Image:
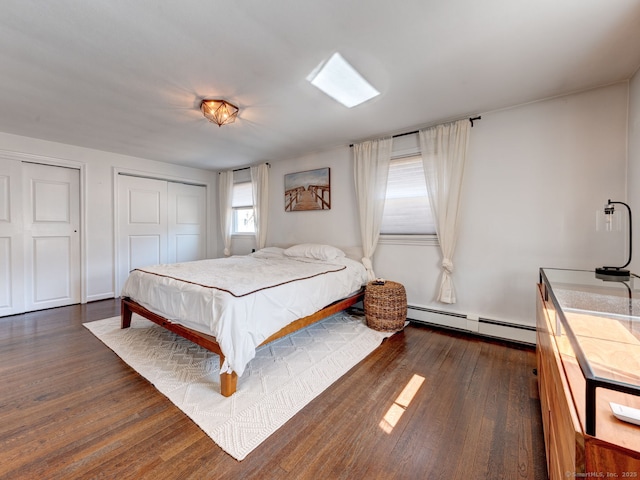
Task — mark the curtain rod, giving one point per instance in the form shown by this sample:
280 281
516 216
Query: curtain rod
471 119
246 168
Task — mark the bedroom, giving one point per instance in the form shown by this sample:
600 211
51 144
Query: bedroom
539 168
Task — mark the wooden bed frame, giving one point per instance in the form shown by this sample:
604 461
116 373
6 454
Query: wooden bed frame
229 381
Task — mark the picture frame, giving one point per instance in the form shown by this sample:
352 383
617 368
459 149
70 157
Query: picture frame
307 190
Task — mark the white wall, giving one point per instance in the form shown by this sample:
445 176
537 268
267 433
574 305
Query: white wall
337 226
98 187
633 177
536 176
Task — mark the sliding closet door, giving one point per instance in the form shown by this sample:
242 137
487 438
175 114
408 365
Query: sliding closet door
187 222
159 222
142 224
11 239
51 204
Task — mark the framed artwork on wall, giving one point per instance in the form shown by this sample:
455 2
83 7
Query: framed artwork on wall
308 190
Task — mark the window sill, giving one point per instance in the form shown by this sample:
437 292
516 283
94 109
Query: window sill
425 240
243 234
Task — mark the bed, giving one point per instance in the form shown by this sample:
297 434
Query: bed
233 305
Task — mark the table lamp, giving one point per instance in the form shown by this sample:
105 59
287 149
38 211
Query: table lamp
616 273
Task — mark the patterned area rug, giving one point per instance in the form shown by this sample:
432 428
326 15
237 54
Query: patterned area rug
285 375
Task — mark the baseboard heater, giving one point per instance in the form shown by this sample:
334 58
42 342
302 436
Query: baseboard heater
487 327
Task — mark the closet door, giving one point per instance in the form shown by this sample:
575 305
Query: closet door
187 222
51 204
159 222
11 239
142 224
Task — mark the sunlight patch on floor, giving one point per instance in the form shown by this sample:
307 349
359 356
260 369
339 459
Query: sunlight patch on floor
401 403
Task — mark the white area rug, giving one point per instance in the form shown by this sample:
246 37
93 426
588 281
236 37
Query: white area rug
285 375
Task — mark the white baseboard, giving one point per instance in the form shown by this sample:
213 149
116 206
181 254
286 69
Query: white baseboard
100 296
511 332
435 317
473 324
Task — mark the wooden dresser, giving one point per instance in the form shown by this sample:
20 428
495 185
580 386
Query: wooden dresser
588 354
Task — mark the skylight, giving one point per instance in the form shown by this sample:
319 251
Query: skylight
338 79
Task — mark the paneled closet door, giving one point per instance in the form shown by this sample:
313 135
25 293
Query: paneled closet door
51 204
187 222
142 224
11 238
159 221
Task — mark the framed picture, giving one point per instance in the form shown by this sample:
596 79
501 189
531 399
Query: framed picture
309 190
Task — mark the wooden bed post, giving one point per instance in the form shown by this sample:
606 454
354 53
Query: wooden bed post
228 381
125 316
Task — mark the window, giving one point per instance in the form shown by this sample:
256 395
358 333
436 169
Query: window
406 208
242 205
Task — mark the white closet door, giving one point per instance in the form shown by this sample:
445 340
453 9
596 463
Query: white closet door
11 239
51 200
142 224
187 222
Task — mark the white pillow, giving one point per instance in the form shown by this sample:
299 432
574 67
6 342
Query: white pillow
314 250
276 250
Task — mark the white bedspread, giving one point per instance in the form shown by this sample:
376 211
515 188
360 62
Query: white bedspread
243 300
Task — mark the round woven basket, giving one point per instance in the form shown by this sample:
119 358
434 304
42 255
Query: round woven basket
385 306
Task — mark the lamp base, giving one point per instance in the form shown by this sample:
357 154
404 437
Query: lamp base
612 274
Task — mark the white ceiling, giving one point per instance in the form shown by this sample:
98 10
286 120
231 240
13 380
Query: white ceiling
128 76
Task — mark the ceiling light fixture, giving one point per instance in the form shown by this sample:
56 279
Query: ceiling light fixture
338 79
219 112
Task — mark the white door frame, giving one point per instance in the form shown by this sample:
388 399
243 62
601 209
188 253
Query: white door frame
62 162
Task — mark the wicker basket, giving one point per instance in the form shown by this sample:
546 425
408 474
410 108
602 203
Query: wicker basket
385 306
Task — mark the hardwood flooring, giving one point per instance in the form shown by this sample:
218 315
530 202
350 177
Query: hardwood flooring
71 409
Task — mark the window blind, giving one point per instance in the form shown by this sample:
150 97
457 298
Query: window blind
242 195
406 208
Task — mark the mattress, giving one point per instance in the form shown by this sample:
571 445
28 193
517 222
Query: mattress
243 300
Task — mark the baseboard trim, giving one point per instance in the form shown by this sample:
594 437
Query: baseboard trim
100 296
486 337
439 312
490 328
507 324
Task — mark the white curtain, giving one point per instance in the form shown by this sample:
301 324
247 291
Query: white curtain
444 151
225 195
260 186
371 169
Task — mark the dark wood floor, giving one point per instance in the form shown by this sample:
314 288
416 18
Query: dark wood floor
70 409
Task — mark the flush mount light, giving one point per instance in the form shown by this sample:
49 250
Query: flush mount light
219 112
338 79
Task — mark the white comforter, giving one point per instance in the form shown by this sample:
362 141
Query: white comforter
243 300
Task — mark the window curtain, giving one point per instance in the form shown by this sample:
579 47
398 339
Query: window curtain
260 186
225 195
371 169
444 151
